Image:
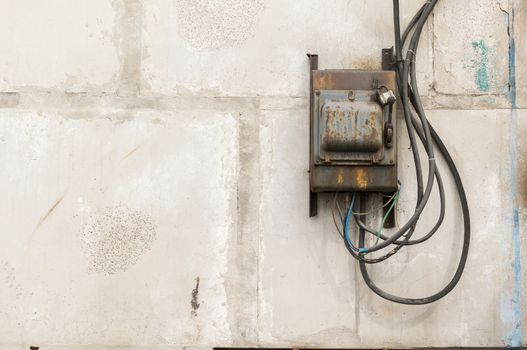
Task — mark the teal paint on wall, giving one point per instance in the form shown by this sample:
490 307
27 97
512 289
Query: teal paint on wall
482 72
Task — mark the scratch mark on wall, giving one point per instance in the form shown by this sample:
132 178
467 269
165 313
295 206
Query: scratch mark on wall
130 153
49 212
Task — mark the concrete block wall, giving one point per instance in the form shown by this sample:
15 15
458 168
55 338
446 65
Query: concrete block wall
154 191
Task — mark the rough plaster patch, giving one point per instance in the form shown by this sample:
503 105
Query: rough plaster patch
115 239
210 24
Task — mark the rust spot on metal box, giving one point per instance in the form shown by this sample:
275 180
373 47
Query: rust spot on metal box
340 179
352 127
362 179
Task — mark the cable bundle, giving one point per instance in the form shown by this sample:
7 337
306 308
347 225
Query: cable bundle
406 46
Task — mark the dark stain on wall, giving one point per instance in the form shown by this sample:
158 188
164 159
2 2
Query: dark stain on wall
194 300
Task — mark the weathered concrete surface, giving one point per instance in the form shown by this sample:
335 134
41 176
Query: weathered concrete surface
154 192
286 276
108 227
58 44
473 58
191 46
310 294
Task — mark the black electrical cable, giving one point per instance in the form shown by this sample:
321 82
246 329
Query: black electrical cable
408 91
423 138
422 198
412 23
407 240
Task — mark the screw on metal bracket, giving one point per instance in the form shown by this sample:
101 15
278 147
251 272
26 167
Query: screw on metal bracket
388 59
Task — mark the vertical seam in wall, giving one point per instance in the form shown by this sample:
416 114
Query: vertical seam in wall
242 274
514 337
130 46
259 226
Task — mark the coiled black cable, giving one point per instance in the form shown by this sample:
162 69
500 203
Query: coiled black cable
409 94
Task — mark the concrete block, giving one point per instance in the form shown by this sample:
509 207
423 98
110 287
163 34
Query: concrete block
59 44
116 227
307 291
471 47
247 48
312 294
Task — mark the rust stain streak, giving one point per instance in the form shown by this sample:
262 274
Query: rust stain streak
340 178
362 179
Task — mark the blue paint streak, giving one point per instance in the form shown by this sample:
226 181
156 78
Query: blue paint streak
516 332
512 71
511 311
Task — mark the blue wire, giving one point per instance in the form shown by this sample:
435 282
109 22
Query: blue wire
348 242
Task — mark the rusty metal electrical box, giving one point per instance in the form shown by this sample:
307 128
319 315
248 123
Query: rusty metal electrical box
352 127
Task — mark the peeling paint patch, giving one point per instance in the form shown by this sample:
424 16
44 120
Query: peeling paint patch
482 72
115 239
